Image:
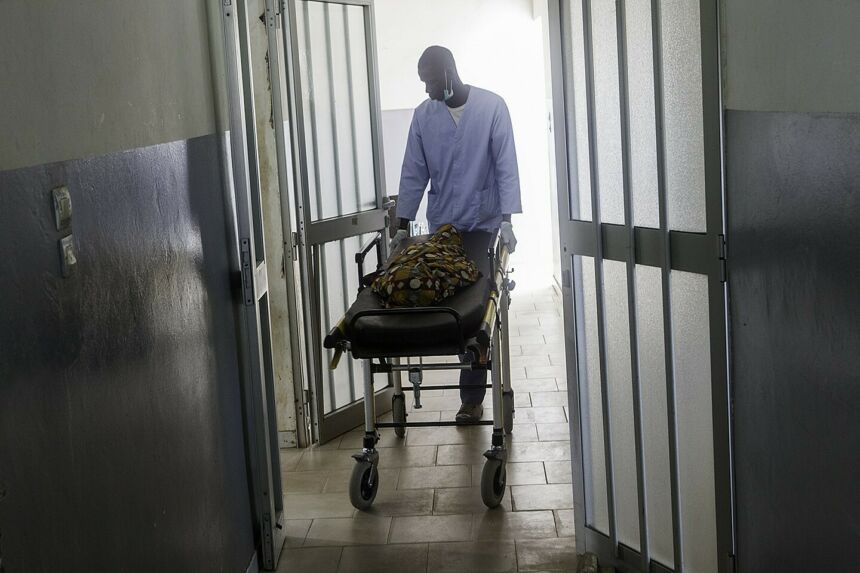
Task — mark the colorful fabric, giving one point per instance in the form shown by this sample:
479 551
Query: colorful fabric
428 272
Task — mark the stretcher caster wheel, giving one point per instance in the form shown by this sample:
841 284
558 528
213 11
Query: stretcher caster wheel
493 479
363 485
398 413
508 411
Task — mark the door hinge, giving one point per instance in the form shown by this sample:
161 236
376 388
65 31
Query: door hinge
723 257
247 272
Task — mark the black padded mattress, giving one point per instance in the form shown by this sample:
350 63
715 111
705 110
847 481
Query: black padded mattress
417 332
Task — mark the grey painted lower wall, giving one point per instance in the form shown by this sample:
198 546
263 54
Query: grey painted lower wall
793 192
121 445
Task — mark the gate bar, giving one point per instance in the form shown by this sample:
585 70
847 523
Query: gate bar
626 152
668 346
598 269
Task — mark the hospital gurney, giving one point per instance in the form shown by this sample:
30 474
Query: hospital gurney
472 325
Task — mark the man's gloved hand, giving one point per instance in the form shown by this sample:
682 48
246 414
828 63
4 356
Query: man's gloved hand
398 238
506 230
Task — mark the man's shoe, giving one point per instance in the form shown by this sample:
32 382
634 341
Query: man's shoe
470 413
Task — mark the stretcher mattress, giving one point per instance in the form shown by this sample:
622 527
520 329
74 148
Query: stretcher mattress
418 333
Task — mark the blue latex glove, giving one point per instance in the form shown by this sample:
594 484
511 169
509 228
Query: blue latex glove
396 240
506 230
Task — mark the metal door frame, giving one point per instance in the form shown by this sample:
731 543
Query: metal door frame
702 253
255 348
312 235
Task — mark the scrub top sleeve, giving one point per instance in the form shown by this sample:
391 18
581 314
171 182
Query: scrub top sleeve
505 158
414 174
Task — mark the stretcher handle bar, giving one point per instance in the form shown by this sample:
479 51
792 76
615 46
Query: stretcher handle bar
488 325
414 310
425 387
336 335
375 241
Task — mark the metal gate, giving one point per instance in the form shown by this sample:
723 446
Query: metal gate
637 106
340 197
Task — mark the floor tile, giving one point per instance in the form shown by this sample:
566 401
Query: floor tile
462 500
387 439
416 416
296 530
535 385
519 433
471 557
434 403
536 359
304 482
402 502
467 454
522 400
438 436
316 559
410 456
314 505
538 451
546 554
551 496
362 530
541 415
558 472
290 458
431 528
317 460
551 349
382 558
513 525
549 398
528 325
433 477
559 431
338 480
546 372
564 522
517 473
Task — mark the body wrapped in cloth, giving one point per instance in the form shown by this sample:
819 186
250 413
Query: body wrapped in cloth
428 272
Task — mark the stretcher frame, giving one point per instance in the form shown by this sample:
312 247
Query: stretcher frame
488 349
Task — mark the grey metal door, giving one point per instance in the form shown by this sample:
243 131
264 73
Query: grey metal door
638 148
341 185
249 255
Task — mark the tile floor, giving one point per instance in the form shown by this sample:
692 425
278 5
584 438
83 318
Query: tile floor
428 515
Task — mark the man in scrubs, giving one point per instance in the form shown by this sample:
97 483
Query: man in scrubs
461 141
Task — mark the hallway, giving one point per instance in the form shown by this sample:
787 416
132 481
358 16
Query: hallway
428 515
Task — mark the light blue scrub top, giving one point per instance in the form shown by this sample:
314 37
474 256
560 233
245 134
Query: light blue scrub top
472 166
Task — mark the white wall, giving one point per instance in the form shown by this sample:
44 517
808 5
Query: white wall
498 45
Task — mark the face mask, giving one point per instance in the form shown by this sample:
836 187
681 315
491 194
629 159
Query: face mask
447 93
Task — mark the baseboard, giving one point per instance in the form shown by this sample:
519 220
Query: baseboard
288 439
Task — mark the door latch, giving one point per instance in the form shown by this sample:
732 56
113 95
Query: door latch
247 272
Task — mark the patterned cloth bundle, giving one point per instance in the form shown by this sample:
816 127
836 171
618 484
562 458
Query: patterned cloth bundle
428 272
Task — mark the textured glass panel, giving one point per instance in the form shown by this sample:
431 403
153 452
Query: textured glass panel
620 384
643 138
333 58
655 429
591 413
607 112
580 200
365 177
335 302
682 96
347 196
695 421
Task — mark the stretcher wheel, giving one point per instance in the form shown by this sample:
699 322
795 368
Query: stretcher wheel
363 485
398 413
508 411
493 479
